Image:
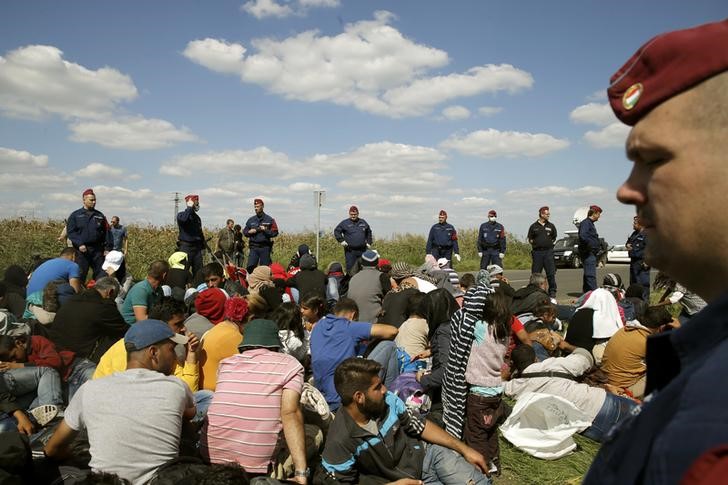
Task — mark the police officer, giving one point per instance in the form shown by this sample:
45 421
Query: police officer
355 235
542 235
639 271
443 239
260 231
491 241
89 232
191 238
589 248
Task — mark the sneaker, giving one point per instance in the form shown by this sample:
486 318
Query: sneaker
44 414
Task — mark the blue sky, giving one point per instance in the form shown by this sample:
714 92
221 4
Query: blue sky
402 108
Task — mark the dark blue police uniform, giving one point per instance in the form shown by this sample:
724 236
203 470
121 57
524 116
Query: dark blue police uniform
357 235
639 272
260 242
89 228
542 238
685 413
491 242
442 241
191 237
589 247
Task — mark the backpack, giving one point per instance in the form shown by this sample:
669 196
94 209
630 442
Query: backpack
11 327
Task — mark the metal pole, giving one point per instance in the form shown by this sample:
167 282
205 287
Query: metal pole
318 223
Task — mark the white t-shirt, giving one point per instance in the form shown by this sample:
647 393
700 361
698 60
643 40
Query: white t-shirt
134 421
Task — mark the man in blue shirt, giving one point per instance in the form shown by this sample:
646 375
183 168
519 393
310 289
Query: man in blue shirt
589 247
64 267
354 235
89 232
119 235
491 241
674 93
337 337
443 239
191 238
260 231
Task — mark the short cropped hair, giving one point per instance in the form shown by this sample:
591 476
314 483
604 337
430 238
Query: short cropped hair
166 308
537 279
69 252
107 283
157 269
213 269
354 375
345 305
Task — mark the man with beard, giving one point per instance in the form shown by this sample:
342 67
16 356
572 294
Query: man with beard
133 418
375 438
674 94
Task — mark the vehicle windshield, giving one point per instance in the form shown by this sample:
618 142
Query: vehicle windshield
565 243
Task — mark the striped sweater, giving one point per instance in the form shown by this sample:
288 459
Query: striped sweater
454 385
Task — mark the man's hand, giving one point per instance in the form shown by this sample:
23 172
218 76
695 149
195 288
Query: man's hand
25 425
252 230
419 374
457 256
501 256
301 480
480 254
82 248
106 253
344 243
11 365
193 343
422 355
475 459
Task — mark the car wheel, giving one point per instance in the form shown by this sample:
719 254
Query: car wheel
576 262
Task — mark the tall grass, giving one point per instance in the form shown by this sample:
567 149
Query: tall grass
22 240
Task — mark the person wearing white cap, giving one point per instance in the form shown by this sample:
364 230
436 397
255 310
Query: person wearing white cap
133 418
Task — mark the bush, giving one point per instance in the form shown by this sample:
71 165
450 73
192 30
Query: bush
25 239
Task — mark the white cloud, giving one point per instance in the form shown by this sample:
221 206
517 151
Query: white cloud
386 183
303 187
473 202
43 180
98 170
131 133
599 114
555 191
319 3
613 135
511 144
456 112
489 110
266 8
63 197
229 162
36 82
11 159
370 66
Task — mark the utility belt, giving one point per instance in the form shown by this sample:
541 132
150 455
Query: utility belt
355 248
442 247
542 249
492 246
257 245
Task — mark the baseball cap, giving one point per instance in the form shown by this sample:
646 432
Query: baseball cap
149 332
113 260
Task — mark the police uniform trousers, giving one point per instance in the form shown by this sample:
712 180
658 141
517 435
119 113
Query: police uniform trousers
93 258
258 256
194 255
543 259
490 256
589 280
442 252
351 255
638 274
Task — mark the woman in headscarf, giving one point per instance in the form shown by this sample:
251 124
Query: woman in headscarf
15 281
260 281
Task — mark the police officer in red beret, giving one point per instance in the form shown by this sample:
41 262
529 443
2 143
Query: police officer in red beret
674 94
442 241
260 230
88 230
191 238
491 241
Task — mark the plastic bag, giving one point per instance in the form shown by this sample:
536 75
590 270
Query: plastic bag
542 425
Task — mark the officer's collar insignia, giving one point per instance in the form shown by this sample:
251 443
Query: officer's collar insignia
632 95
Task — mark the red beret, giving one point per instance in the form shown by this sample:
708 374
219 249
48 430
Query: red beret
353 208
542 209
192 196
595 208
88 192
258 201
665 66
443 213
492 213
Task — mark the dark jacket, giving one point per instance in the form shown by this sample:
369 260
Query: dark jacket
190 228
432 382
527 298
492 235
88 324
542 236
395 453
357 234
309 280
265 230
89 228
442 236
588 238
394 306
639 243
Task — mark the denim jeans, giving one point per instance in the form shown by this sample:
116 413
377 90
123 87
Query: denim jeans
202 399
82 371
386 354
445 466
615 409
34 386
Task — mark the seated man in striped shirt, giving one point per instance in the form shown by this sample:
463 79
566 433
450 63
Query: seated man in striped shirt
256 397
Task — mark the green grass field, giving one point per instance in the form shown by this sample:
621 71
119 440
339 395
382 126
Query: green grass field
24 239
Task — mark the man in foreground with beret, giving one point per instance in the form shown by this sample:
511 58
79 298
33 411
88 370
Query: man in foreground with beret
191 238
674 92
89 231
